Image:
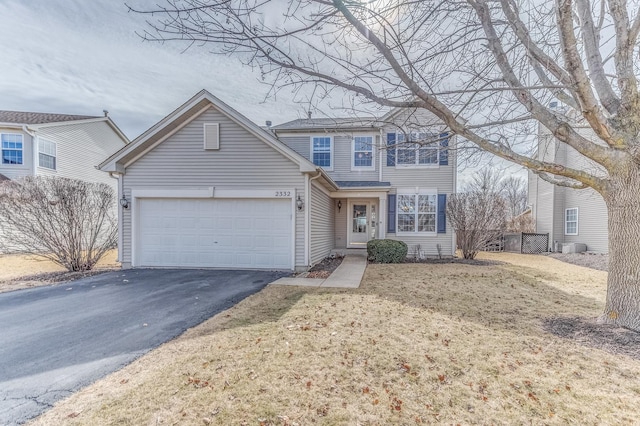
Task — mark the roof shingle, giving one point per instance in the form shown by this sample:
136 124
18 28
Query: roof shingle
20 117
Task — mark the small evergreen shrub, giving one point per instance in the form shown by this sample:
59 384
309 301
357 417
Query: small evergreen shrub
387 251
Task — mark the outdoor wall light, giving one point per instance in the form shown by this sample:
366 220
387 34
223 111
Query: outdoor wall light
339 205
299 204
124 202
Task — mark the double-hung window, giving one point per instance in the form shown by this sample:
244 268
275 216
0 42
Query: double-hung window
420 150
362 152
571 221
46 154
417 213
321 149
12 148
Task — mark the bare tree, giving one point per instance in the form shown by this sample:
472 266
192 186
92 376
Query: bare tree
487 69
478 214
514 191
67 221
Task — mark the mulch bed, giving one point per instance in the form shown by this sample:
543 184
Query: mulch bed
325 268
589 332
448 260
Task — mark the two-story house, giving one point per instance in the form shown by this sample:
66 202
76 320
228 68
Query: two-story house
43 144
571 217
206 187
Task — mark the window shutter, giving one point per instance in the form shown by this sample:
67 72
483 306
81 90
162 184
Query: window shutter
442 213
444 149
391 213
391 150
211 136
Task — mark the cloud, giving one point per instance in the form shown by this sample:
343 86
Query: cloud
70 56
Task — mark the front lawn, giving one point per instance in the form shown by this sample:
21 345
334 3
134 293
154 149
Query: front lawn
415 344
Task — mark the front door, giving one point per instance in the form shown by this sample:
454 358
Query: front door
362 223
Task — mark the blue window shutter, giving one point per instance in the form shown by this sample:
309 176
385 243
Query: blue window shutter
442 213
391 213
391 150
444 149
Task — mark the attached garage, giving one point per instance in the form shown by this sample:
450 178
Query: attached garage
214 233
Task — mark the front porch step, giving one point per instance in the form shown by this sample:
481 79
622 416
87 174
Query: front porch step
349 251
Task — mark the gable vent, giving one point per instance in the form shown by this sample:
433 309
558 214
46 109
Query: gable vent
211 136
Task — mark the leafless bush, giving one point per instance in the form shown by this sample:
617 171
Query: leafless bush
70 222
478 215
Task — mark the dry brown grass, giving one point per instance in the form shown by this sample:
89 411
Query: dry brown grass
416 344
23 271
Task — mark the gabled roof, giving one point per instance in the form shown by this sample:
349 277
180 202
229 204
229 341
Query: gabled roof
184 114
23 117
327 123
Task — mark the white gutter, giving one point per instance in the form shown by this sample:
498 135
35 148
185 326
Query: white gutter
120 212
34 152
307 217
380 151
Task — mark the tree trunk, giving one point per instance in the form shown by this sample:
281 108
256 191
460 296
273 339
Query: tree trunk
623 289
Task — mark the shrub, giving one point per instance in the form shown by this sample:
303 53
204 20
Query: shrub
70 222
387 251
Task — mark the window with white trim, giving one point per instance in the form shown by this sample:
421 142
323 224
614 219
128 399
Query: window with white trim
321 151
571 221
416 213
12 148
421 150
46 154
362 152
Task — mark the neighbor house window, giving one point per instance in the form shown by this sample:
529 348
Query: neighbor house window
571 221
420 150
417 213
321 151
11 148
363 152
46 154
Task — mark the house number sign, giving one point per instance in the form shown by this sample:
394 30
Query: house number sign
283 193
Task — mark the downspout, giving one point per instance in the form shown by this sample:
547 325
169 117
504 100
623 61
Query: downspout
34 151
380 156
120 212
307 218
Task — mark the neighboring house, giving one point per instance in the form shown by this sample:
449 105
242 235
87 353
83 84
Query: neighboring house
206 187
567 215
71 146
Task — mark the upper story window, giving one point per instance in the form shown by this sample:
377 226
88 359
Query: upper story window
571 221
322 151
362 152
417 213
420 150
46 154
12 148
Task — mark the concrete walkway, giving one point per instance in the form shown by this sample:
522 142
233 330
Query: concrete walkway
347 275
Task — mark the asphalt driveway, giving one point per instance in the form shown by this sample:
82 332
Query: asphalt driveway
56 340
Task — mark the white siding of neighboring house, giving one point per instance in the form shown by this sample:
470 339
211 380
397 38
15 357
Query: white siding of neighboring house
321 224
550 201
242 162
16 171
80 147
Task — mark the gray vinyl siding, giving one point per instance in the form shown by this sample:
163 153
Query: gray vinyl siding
342 153
550 202
16 171
341 224
80 148
321 224
242 162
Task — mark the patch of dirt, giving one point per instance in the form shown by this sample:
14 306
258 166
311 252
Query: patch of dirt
589 260
590 332
325 267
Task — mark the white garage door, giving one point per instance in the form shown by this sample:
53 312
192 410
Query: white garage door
222 233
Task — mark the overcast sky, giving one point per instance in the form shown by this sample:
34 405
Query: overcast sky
81 56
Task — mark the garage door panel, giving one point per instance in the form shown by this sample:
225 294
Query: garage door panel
215 233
